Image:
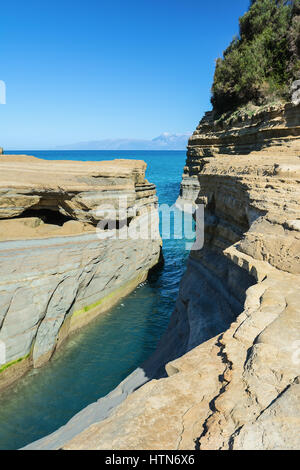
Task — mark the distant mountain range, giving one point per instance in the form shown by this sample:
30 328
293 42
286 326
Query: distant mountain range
165 141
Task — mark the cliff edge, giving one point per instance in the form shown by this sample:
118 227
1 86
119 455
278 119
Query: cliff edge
59 268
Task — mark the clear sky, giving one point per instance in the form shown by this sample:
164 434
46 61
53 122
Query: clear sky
79 70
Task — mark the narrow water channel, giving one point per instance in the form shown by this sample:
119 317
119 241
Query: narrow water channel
99 357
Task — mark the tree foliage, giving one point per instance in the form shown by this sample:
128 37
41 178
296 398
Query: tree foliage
263 60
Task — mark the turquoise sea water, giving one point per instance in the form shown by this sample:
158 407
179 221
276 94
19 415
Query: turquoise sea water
101 355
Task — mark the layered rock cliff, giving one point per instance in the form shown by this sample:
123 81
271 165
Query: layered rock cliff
232 349
59 268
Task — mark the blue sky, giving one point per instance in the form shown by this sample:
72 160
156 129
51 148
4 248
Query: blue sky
90 70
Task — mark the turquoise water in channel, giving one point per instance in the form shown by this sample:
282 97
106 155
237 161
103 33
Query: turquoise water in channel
100 356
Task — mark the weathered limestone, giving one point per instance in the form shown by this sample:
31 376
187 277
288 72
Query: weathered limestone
74 190
57 277
252 218
273 131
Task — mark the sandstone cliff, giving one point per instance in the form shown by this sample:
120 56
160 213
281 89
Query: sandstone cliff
231 351
56 274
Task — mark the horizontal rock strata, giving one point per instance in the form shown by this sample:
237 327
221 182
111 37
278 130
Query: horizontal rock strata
73 189
57 270
271 132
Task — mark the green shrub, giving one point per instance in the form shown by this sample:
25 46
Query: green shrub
259 64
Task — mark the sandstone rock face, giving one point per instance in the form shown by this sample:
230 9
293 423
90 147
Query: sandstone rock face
231 353
56 278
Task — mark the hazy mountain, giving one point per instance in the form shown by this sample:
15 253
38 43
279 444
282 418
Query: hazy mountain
164 141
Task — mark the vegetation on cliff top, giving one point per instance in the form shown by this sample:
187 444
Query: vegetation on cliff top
260 64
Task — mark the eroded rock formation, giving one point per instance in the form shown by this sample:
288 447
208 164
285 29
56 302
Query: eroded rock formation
56 273
232 349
